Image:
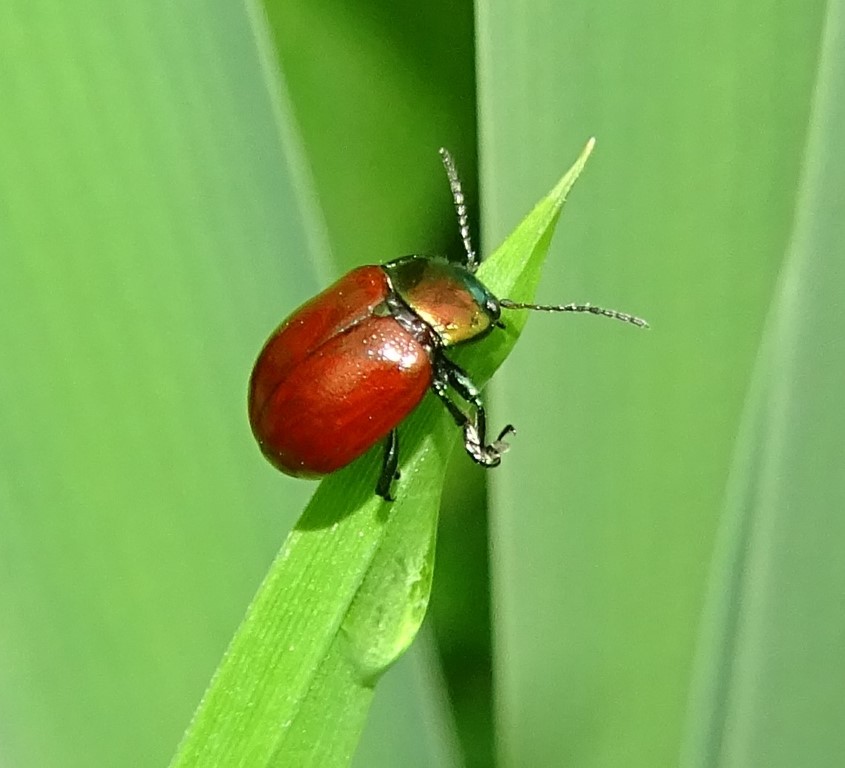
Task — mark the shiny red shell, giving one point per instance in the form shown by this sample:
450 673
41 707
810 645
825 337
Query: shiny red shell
335 378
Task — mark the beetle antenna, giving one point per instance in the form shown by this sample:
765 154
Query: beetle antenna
460 206
611 313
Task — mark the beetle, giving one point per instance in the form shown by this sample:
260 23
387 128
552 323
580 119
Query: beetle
342 372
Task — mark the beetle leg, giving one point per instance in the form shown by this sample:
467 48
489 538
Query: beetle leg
440 384
475 427
389 466
475 430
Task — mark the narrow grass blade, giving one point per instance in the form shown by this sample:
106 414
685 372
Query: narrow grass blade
770 666
346 595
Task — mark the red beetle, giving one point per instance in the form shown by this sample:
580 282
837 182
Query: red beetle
347 367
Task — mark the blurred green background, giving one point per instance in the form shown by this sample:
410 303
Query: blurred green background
654 577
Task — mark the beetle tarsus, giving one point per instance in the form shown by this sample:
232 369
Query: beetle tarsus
486 455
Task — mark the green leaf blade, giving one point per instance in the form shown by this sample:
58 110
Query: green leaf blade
348 592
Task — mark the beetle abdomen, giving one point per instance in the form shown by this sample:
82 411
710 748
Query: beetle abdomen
346 395
347 302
